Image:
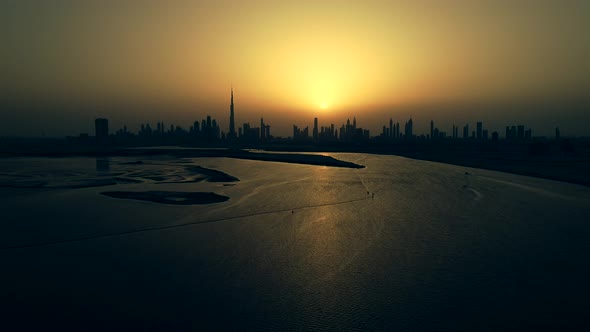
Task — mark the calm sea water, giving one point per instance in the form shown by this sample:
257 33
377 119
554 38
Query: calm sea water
399 245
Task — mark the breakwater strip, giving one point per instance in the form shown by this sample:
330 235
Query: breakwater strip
294 158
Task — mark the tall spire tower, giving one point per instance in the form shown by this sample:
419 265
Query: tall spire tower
232 127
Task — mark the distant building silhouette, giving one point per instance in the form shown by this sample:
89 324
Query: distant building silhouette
495 136
431 129
300 135
266 129
557 134
520 132
391 132
479 130
409 129
262 130
232 128
250 134
101 127
315 129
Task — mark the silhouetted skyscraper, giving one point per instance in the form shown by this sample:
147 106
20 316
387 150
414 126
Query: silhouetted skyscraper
214 130
196 128
408 130
391 133
479 130
557 133
232 128
431 129
513 131
101 127
315 129
266 132
520 132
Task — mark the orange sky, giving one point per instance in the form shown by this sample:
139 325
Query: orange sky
297 59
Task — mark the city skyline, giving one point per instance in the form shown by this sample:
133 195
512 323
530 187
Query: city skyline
210 130
374 128
494 61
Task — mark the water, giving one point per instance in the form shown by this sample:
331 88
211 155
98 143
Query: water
295 247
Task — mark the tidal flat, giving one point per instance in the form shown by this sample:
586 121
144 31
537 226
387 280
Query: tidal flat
400 244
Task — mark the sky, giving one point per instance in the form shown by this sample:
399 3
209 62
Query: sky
66 62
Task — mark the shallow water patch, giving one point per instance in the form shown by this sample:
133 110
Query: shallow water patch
169 197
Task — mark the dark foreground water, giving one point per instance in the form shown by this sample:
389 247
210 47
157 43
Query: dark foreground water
295 247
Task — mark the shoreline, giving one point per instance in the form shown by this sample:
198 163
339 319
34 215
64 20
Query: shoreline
516 160
567 169
299 158
515 169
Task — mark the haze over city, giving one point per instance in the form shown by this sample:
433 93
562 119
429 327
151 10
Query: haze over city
456 62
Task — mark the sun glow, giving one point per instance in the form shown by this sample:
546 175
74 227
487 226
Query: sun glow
373 59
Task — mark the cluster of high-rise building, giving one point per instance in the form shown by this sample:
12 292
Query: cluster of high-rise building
513 133
394 133
518 133
250 134
348 132
324 133
246 133
351 133
208 130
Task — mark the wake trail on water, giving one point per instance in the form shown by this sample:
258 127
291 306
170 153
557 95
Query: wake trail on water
478 195
159 228
362 182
